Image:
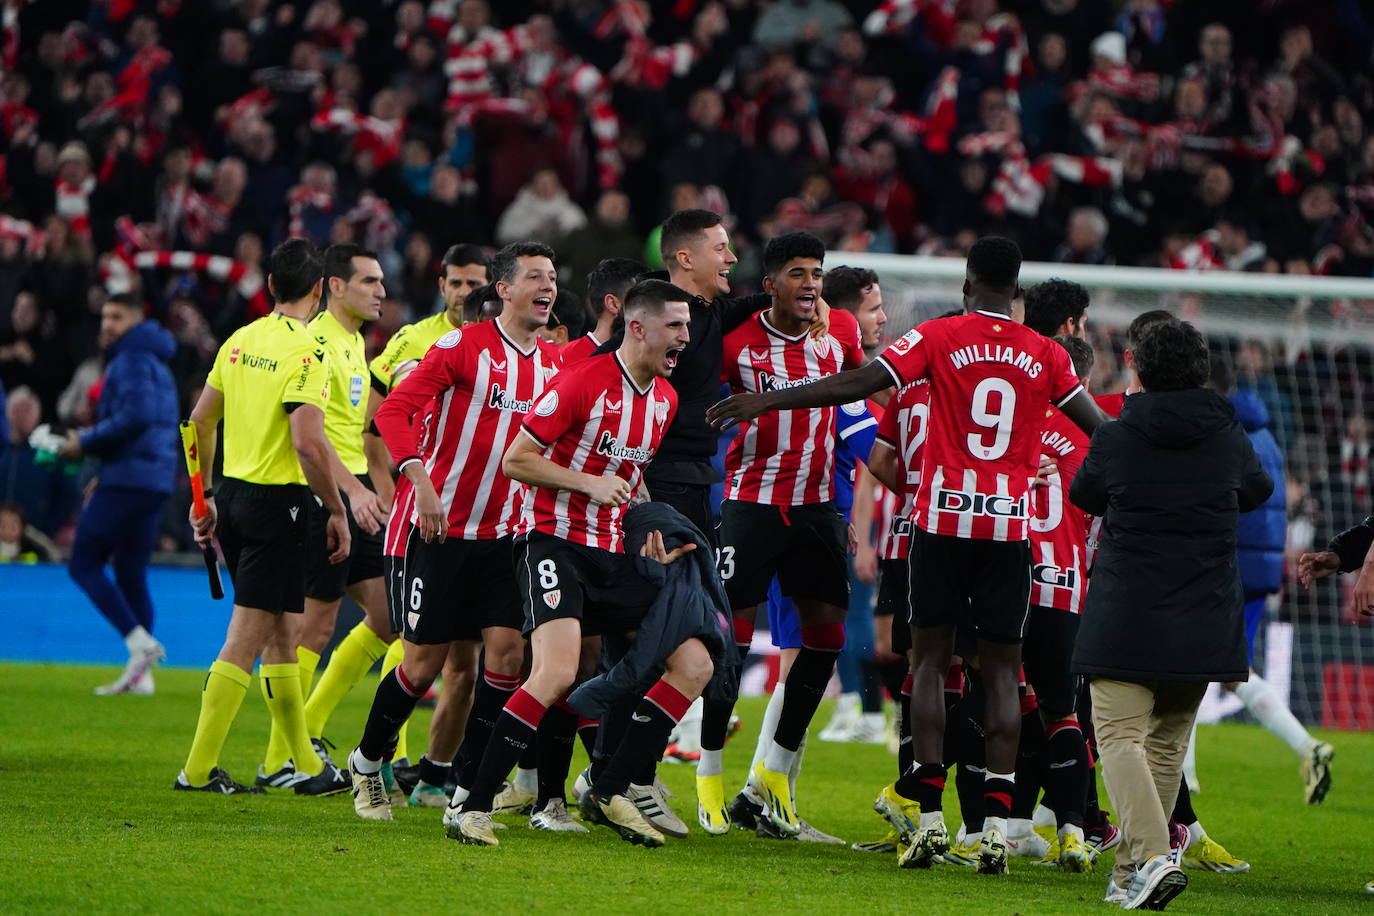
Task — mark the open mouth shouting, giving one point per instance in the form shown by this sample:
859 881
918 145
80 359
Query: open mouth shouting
542 306
671 357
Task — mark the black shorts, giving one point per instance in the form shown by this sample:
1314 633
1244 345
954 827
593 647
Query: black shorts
262 532
982 584
453 590
1047 655
325 581
558 578
806 547
894 602
691 499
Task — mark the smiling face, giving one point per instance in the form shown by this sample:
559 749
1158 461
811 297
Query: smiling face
710 259
795 289
455 285
871 317
361 295
664 333
529 296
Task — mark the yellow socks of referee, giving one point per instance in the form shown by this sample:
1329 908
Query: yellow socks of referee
281 688
225 687
353 657
392 659
278 748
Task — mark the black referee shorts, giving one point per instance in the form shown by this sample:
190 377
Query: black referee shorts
325 581
982 584
262 532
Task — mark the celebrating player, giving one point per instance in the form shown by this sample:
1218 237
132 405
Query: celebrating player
458 581
990 379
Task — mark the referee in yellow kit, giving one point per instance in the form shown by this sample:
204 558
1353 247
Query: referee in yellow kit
269 384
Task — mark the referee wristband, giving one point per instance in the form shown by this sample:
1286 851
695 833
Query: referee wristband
208 492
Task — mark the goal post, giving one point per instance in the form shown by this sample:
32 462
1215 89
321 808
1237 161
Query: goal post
1305 346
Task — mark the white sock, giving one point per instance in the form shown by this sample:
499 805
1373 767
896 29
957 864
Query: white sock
795 770
687 734
931 817
1190 757
1070 830
1043 817
527 779
1196 833
138 639
460 795
1017 826
778 758
1263 702
771 713
710 763
358 763
995 823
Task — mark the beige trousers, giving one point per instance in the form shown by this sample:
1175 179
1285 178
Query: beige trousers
1142 735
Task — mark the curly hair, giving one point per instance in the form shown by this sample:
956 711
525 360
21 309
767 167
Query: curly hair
1171 356
995 262
784 249
1050 304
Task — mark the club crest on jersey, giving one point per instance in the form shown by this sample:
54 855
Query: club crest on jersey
1054 576
660 412
355 390
980 504
449 340
413 619
906 341
547 404
551 598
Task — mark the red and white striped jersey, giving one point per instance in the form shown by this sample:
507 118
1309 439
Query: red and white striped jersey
596 420
990 379
1059 529
903 428
577 350
477 384
785 457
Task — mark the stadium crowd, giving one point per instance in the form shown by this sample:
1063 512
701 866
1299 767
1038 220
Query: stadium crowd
170 145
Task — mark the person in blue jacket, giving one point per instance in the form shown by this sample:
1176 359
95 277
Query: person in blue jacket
1260 539
137 443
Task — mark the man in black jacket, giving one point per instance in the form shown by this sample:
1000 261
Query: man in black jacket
1163 616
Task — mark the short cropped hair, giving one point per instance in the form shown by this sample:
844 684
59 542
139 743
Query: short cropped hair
1171 356
295 266
475 300
995 262
611 277
684 226
503 267
570 312
463 254
781 251
1050 304
845 286
1142 321
649 296
1080 352
338 260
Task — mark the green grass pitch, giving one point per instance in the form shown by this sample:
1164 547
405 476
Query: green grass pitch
90 824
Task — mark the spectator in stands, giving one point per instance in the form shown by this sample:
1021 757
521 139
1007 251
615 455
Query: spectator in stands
136 441
47 491
608 235
1086 241
541 211
18 544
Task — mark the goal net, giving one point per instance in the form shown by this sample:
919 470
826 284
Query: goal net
1305 347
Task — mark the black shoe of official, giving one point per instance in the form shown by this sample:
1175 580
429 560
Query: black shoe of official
220 782
322 748
329 781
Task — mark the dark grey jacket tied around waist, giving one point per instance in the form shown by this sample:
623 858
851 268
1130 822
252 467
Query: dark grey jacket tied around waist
690 604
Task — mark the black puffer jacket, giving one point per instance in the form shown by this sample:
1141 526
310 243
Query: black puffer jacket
1169 478
689 605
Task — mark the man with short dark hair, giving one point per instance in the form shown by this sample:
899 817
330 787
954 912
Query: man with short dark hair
856 290
1057 307
270 385
606 288
135 437
1164 615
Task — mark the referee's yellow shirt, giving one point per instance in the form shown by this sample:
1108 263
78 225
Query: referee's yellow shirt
411 341
346 356
262 369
